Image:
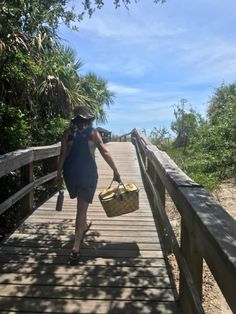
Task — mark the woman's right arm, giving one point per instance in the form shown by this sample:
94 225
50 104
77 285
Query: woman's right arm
106 155
62 156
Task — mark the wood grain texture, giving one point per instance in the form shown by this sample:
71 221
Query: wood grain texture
122 268
21 157
210 233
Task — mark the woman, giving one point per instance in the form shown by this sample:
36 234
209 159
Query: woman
77 160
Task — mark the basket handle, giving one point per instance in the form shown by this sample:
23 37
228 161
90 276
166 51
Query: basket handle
120 183
118 193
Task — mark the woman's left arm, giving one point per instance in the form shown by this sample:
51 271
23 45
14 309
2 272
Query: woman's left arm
106 155
62 157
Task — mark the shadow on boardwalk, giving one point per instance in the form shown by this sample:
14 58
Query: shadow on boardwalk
109 278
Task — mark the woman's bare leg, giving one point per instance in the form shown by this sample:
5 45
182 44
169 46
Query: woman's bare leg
80 224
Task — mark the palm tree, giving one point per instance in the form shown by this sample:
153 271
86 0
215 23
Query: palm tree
96 88
58 92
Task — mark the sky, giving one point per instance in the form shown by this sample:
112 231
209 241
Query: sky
154 55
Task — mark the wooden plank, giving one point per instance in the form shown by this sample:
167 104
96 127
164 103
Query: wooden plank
70 221
90 280
103 293
16 197
92 210
15 160
44 179
212 228
94 215
90 237
55 229
186 278
109 250
214 231
100 267
121 266
195 264
27 189
95 237
53 260
43 152
92 243
19 158
164 165
85 306
27 202
57 234
96 223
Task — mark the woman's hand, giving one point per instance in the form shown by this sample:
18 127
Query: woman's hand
58 180
116 176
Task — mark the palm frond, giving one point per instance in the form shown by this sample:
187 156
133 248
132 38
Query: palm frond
2 47
60 99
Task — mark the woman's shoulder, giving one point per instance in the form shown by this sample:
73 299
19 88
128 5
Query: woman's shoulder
97 137
67 133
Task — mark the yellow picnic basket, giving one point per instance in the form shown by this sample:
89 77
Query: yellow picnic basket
120 200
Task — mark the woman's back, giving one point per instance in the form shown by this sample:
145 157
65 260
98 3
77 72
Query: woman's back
80 170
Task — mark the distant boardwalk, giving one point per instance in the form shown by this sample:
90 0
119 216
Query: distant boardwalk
122 269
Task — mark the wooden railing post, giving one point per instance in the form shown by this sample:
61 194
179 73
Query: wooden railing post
207 231
156 181
27 202
162 192
195 264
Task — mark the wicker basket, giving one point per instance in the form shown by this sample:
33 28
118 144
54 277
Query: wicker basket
120 200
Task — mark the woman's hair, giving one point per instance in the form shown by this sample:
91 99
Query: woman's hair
83 117
81 122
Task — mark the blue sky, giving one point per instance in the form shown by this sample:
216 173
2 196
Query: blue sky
155 54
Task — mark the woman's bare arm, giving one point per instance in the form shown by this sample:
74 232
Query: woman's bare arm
106 155
62 156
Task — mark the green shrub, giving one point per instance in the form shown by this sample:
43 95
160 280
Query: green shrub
50 132
15 129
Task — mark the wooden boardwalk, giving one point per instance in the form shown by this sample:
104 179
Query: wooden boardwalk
122 269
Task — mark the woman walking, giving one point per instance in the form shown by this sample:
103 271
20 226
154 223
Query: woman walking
77 161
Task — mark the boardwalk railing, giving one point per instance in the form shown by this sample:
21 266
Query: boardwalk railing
207 231
24 160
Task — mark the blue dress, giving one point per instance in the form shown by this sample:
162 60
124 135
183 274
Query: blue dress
80 169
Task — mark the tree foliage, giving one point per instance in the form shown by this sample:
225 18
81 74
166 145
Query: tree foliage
205 148
91 5
160 137
185 124
14 129
222 106
40 81
96 88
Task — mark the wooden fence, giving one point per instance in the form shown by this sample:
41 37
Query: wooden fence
207 231
24 160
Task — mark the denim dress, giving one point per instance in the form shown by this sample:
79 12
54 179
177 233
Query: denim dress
80 169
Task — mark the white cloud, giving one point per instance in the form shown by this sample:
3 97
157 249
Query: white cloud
124 65
203 51
156 55
211 60
123 90
147 111
122 29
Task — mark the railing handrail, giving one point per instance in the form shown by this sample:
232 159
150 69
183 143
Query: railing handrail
124 136
207 231
19 158
23 159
